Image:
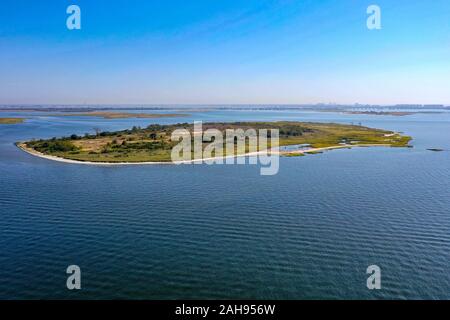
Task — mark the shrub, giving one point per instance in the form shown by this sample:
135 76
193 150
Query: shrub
57 146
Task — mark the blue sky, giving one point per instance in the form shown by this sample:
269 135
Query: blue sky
224 52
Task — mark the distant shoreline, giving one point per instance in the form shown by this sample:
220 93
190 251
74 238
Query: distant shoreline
122 115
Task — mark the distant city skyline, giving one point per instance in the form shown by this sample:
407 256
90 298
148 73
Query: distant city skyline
258 52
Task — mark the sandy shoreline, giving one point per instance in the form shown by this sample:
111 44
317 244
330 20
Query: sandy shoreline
310 150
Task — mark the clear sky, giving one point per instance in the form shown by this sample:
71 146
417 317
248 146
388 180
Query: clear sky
224 52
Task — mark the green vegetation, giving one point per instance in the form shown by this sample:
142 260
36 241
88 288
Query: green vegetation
153 143
11 120
54 146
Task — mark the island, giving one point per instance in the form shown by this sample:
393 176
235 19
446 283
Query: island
121 115
11 120
153 144
380 112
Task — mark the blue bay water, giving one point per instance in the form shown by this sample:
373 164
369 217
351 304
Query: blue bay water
199 231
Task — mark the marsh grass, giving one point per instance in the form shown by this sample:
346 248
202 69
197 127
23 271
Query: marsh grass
11 120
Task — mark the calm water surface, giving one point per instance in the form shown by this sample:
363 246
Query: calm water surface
198 231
